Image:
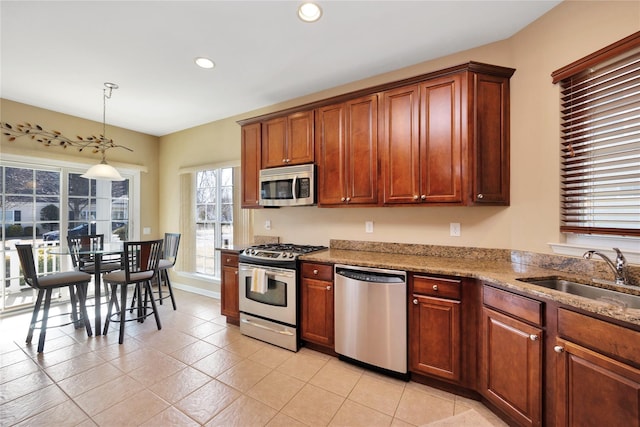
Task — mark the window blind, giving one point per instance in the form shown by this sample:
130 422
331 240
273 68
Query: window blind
600 112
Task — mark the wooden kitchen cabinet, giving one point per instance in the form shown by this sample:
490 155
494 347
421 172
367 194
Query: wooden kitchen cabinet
435 336
316 306
511 360
446 140
346 152
229 287
288 140
597 372
250 165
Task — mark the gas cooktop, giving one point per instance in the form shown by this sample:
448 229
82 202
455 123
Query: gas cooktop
273 253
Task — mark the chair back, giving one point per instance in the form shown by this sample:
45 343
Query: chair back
141 257
25 252
171 243
78 244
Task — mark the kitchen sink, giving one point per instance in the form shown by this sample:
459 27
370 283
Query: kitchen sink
606 295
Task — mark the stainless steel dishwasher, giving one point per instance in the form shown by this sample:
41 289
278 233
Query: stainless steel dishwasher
371 317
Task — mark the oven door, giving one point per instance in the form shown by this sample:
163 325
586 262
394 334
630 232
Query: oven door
278 303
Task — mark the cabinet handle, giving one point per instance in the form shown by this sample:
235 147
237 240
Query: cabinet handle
415 301
343 199
315 272
435 287
423 197
533 337
236 273
415 197
348 199
228 259
558 349
480 196
328 288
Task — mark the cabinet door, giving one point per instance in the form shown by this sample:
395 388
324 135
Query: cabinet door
229 294
594 390
316 321
400 145
434 337
299 146
274 142
361 159
440 140
330 149
490 139
250 165
511 367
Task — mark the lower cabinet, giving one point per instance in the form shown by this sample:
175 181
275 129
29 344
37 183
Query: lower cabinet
316 315
229 291
595 389
511 360
434 327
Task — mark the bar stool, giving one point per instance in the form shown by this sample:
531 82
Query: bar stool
168 260
45 286
140 268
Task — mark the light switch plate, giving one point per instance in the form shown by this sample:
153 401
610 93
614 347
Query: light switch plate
368 226
146 230
454 229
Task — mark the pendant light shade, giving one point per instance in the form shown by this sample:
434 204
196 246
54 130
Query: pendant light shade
103 171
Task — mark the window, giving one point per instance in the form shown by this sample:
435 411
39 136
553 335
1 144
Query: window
600 141
41 203
213 217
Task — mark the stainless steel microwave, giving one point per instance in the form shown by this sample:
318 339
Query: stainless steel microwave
288 186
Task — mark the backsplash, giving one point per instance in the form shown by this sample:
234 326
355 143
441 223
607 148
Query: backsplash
563 264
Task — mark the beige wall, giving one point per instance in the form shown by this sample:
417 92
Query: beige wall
568 32
145 150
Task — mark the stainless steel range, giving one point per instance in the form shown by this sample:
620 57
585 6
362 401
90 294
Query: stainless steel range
268 286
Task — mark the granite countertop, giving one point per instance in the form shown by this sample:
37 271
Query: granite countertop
490 269
233 248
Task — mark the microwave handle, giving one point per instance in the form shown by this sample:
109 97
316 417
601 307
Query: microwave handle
293 187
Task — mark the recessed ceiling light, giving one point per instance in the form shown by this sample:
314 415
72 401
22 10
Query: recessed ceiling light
203 62
309 12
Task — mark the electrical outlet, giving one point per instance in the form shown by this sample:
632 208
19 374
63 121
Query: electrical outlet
267 224
454 229
146 230
368 226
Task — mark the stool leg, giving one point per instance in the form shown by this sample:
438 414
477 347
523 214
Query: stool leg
159 280
109 310
45 318
153 305
82 296
123 310
74 307
166 277
34 317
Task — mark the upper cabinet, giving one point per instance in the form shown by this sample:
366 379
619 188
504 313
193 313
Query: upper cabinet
288 140
346 152
250 165
437 139
446 141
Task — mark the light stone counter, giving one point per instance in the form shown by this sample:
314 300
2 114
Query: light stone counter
493 266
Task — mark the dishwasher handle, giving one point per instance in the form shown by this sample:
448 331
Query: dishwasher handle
370 276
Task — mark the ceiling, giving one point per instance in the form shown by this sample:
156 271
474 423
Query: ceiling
58 54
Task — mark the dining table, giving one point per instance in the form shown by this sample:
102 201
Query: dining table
98 254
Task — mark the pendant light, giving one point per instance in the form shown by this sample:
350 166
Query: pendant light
103 170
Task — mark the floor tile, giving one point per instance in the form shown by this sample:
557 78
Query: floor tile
24 385
64 414
108 394
336 377
207 401
218 362
313 406
378 394
417 407
194 352
302 366
182 383
134 410
171 417
286 387
32 404
353 414
243 412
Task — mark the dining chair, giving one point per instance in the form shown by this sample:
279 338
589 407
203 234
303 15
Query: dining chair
45 286
141 261
86 263
168 260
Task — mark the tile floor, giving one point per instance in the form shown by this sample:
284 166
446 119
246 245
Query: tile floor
198 371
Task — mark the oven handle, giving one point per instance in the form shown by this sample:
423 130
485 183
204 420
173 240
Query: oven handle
268 270
257 325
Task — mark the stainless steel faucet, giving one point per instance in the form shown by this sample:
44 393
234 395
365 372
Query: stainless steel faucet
619 268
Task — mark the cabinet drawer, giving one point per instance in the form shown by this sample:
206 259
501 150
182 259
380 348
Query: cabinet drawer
613 340
437 287
229 259
524 308
317 271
